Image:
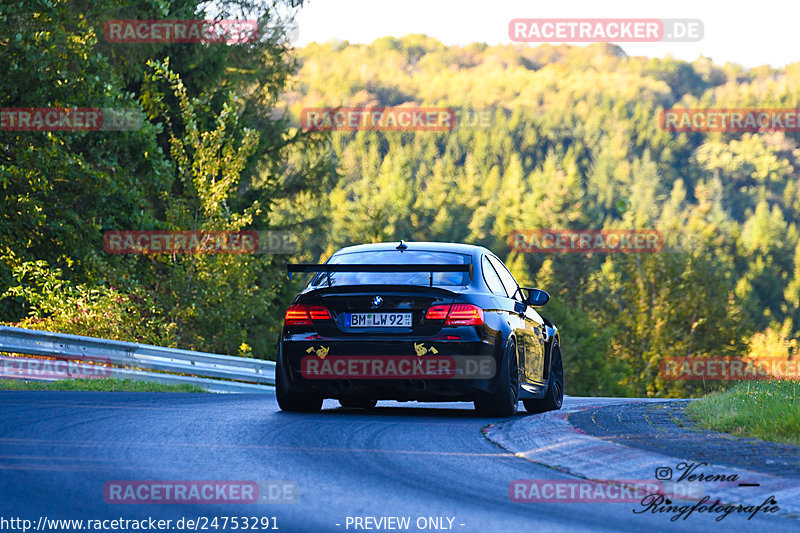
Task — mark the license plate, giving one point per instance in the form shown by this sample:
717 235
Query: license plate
378 320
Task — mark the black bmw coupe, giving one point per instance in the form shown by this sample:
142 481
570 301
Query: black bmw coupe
418 321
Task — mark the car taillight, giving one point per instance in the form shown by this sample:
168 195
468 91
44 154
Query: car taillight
456 314
465 315
302 315
437 312
318 312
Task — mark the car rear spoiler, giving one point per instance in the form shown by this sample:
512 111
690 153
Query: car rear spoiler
311 267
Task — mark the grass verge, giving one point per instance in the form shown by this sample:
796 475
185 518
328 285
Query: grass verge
768 410
101 384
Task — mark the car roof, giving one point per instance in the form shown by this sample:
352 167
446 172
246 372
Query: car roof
455 247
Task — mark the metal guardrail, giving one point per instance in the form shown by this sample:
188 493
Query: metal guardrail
144 362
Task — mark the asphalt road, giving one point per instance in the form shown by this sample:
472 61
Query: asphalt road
428 462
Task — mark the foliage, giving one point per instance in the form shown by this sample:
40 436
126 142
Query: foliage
56 304
211 154
564 137
571 132
768 410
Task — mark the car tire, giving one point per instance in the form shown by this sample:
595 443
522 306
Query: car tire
358 403
504 401
289 400
554 397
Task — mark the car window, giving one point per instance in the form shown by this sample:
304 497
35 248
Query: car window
383 257
508 280
492 279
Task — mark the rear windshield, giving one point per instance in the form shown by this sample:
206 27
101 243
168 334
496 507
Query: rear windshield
407 257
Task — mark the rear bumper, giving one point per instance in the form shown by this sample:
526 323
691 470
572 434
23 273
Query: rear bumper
398 390
298 351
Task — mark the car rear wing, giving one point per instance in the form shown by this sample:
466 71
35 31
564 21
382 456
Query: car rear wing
311 267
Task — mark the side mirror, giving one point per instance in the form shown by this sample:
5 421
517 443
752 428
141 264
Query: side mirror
536 297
